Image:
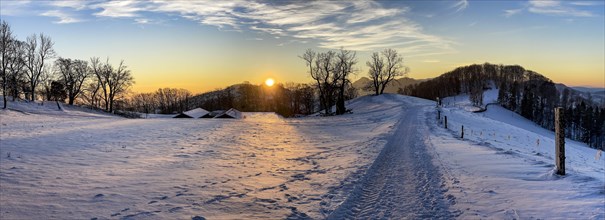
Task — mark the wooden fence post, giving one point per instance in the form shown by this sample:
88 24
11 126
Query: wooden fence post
559 141
438 114
462 130
445 121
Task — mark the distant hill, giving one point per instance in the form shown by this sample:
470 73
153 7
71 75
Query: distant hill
393 87
589 89
525 92
594 95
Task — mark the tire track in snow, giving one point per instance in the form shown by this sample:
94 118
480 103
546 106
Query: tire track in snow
402 182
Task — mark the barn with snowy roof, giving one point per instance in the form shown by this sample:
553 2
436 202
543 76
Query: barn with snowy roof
193 113
231 113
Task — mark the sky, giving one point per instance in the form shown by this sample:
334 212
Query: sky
205 45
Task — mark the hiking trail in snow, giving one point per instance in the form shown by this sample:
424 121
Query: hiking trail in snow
402 182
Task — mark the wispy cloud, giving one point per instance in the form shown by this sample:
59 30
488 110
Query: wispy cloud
64 18
587 3
355 25
511 12
11 8
75 4
557 8
142 21
119 9
460 5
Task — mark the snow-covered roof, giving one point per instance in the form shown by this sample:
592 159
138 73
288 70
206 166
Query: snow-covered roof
231 113
193 113
213 114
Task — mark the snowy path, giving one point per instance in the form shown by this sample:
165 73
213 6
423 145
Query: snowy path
402 182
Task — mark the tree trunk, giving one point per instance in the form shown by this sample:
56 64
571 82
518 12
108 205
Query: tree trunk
376 87
32 91
340 102
4 83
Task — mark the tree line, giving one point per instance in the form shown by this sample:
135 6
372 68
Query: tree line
288 100
32 67
525 92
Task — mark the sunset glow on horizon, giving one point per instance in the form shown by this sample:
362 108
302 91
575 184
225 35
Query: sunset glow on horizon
205 45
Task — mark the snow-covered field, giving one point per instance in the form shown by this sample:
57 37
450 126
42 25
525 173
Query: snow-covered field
504 167
68 165
389 159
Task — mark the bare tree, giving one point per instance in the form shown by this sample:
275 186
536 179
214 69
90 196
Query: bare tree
6 42
90 93
144 102
16 68
102 71
73 74
376 65
46 79
119 82
345 59
113 81
385 68
39 48
312 61
331 71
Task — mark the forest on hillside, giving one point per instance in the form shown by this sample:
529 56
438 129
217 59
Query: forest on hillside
525 92
288 100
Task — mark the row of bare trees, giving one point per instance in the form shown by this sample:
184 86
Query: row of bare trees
27 66
165 101
331 70
288 100
23 61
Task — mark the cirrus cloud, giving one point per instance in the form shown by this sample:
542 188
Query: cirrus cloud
355 25
555 8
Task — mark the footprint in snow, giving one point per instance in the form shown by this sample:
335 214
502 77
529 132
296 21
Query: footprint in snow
175 209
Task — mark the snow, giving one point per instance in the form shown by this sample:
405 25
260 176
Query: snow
193 113
263 166
231 113
401 183
390 158
504 166
55 109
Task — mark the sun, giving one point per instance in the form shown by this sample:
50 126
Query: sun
269 82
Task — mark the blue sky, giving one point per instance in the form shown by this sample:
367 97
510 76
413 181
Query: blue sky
202 45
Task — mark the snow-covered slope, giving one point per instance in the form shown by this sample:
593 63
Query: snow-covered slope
504 166
52 108
74 164
264 166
